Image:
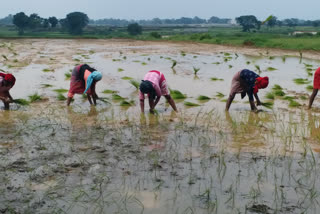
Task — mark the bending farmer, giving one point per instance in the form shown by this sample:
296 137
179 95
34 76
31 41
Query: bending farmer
7 81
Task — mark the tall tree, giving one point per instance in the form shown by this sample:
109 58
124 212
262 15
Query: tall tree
272 22
53 21
134 29
248 22
35 21
21 20
75 22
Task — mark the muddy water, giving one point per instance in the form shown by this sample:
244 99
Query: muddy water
111 159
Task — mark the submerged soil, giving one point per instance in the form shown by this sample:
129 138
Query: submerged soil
112 159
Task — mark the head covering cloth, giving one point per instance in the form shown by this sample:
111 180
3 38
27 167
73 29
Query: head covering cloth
9 78
94 76
261 82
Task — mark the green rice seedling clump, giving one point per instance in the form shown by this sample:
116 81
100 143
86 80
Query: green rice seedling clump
191 104
203 97
174 63
67 75
120 70
135 83
220 95
61 97
267 104
175 94
117 97
35 97
271 69
126 103
108 91
277 87
216 79
22 102
270 96
127 78
195 70
279 93
293 103
309 87
61 90
301 81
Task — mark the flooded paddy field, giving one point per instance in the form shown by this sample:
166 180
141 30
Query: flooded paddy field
113 159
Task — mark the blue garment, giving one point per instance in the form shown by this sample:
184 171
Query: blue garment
249 78
94 76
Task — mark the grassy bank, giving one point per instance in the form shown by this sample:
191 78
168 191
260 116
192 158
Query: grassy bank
277 37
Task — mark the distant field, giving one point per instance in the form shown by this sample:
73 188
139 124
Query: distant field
277 37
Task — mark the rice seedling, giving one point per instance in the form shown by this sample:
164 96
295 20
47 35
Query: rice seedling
120 69
230 66
5 57
302 97
236 55
104 99
175 94
190 104
126 78
248 62
195 57
67 76
116 60
144 63
283 58
15 60
135 83
126 103
220 95
277 87
47 70
271 69
22 102
77 60
61 90
270 96
288 98
137 61
124 57
279 93
107 91
308 65
195 70
301 81
216 63
227 54
174 63
183 53
309 87
91 52
3 71
271 57
34 97
258 68
267 104
61 97
203 97
293 103
216 79
148 59
117 97
168 58
46 85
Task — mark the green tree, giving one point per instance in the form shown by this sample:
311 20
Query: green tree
75 22
21 20
134 29
35 21
272 22
53 21
45 23
248 22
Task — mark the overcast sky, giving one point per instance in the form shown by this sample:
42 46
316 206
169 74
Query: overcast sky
148 9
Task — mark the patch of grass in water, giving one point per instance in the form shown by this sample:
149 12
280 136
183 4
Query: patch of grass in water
271 57
137 61
308 65
216 79
117 97
195 70
61 90
293 103
271 69
190 104
270 96
175 94
288 98
135 83
127 78
258 68
174 63
120 70
268 105
22 102
203 97
46 85
47 70
34 97
61 97
302 97
67 76
216 63
144 63
277 87
283 58
220 95
107 91
279 93
301 81
126 103
183 53
309 87
230 66
248 62
116 60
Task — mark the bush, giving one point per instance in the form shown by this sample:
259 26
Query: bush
155 35
134 29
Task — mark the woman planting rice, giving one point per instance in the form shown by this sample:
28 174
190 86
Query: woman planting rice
83 80
7 81
154 85
247 82
316 87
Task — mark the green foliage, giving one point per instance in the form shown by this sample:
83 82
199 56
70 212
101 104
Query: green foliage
309 87
174 63
135 83
120 70
46 85
271 69
127 78
175 94
267 104
279 93
195 70
107 91
155 35
293 103
270 96
301 81
248 22
61 97
216 79
34 97
21 20
134 29
22 102
203 97
277 87
126 103
67 75
117 97
190 104
47 70
61 90
220 95
75 22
